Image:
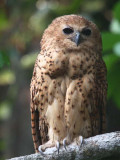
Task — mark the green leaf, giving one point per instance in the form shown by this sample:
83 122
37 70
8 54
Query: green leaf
117 49
110 60
4 59
1 60
7 77
115 26
113 77
5 110
4 23
28 60
109 40
71 8
116 10
93 6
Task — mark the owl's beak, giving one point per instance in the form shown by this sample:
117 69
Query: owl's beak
77 38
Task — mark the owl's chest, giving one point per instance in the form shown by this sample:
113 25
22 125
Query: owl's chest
72 65
79 65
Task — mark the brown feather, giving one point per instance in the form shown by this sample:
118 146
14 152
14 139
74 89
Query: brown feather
68 87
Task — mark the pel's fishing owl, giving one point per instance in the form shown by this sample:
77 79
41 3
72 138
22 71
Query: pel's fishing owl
68 87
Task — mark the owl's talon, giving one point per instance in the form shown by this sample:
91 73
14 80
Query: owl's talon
40 150
58 146
81 140
64 143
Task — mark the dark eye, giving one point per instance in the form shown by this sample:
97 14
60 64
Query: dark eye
86 31
67 30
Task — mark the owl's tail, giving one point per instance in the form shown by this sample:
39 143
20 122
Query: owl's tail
35 129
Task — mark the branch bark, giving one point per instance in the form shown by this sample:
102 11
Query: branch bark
93 148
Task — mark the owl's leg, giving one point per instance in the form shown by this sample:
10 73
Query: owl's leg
49 144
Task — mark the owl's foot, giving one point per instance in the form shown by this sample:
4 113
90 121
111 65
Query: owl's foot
66 141
43 147
78 140
49 144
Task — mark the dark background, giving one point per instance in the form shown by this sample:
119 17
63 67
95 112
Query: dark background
22 23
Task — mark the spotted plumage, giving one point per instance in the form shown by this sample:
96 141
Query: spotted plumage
68 87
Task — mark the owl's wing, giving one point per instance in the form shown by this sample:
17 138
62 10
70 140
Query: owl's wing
38 92
100 97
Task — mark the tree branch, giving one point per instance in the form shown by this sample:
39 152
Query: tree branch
93 148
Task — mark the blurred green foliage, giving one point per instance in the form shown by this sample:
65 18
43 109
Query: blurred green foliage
4 59
116 11
111 53
22 23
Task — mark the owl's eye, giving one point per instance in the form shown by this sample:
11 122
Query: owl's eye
86 32
68 30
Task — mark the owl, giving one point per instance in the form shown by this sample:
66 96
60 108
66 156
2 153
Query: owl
68 87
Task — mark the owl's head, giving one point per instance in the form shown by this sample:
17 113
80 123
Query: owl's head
73 32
